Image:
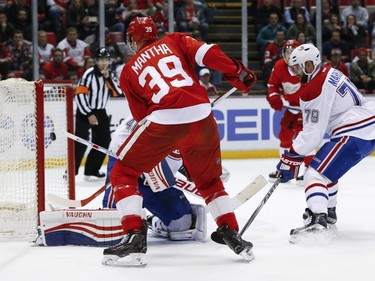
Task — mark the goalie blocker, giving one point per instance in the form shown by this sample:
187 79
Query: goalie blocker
102 227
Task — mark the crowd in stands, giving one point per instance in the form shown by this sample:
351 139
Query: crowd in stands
348 34
68 32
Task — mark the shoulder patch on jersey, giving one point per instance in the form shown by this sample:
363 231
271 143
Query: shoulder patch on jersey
314 88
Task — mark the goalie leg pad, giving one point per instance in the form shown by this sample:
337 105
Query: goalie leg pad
179 229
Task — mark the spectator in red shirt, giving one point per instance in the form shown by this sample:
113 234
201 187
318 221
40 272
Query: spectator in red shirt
55 69
161 17
273 53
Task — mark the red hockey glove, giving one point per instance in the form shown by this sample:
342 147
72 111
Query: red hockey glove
297 122
243 79
288 166
274 99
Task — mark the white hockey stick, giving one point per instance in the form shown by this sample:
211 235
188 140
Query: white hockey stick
186 186
245 194
223 97
61 201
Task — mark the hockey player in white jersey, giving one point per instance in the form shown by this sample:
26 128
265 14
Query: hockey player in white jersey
330 104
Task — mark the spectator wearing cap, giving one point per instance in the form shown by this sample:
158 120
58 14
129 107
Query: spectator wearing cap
362 72
204 80
336 62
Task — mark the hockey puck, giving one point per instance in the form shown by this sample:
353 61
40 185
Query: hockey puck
52 136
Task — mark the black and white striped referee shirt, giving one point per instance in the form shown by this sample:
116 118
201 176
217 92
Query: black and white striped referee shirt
94 90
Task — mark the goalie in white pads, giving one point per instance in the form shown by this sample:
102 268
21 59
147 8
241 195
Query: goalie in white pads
173 215
330 104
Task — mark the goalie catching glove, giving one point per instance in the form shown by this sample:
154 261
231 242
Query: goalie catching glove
243 79
289 164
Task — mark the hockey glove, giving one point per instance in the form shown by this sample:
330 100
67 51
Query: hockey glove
288 166
274 99
243 79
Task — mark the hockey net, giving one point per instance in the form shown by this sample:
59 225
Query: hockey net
35 156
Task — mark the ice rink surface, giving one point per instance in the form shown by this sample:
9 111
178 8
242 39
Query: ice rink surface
349 257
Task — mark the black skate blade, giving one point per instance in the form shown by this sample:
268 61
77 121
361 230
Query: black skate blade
131 260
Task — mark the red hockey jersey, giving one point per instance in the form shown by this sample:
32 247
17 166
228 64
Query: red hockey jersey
161 84
283 83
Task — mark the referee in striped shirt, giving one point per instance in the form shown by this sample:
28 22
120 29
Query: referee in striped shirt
95 87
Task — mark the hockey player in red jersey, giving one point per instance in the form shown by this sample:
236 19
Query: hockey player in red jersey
332 105
174 112
283 84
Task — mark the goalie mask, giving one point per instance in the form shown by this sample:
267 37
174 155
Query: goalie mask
102 58
141 29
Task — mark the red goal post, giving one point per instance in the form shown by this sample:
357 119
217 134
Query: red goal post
36 158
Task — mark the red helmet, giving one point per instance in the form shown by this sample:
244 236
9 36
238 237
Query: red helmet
291 44
141 29
288 47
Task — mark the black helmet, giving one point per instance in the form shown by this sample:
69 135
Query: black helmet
102 53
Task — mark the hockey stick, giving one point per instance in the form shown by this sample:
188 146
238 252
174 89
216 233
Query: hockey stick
262 203
186 186
223 97
245 194
61 201
249 191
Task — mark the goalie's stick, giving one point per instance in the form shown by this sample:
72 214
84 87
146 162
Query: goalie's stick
61 201
262 203
186 186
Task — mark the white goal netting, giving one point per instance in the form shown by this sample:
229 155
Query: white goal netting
30 169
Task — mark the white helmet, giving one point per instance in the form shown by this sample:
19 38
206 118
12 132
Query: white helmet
304 53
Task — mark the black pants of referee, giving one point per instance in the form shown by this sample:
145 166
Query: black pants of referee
100 135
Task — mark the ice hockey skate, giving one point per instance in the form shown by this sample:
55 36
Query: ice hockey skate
95 176
316 229
331 216
129 252
223 235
